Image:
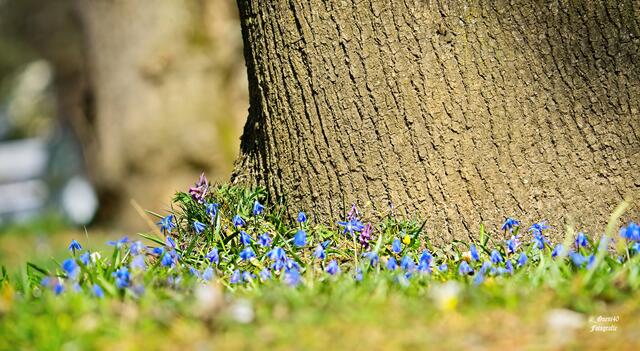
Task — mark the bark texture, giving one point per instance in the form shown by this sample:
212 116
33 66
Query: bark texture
457 113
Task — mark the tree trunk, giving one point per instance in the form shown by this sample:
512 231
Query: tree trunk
459 114
168 91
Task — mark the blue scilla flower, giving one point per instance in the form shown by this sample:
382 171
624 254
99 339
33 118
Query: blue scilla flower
426 257
137 248
538 227
392 264
485 267
245 239
194 272
85 258
122 277
75 246
97 291
118 243
247 276
277 254
581 240
302 217
522 259
540 240
577 259
199 227
166 224
333 268
265 274
71 268
474 252
167 260
319 253
557 250
158 251
264 240
512 244
443 267
372 257
58 287
509 224
591 261
238 221
631 232
478 279
292 277
424 267
496 258
396 246
407 264
464 268
351 226
138 263
212 210
300 239
213 256
358 276
207 274
258 208
247 254
236 277
291 264
170 242
509 266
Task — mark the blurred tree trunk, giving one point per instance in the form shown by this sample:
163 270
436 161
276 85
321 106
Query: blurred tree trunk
167 92
460 114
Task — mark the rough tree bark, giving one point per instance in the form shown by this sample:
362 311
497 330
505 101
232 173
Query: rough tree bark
460 114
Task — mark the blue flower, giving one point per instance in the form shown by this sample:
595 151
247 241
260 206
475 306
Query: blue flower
265 274
396 246
170 242
372 257
213 256
71 268
300 238
496 257
319 253
167 260
247 254
592 261
166 224
75 246
485 267
58 288
247 276
138 263
509 265
443 267
277 254
199 227
512 244
238 221
333 268
509 224
557 250
302 217
264 240
351 226
392 264
122 277
478 279
245 239
578 259
236 277
407 263
358 275
538 227
158 251
474 252
207 274
212 210
258 208
292 277
85 258
522 259
464 268
194 272
631 232
291 264
137 248
118 243
426 257
540 240
97 291
581 240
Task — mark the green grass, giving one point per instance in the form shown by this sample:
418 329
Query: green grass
547 303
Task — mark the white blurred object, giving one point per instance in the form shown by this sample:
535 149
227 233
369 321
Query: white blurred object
242 311
79 200
23 196
22 159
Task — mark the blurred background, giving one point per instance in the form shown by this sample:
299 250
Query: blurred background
107 101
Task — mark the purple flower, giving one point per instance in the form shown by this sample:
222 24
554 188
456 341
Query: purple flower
365 236
353 213
199 190
509 224
333 268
